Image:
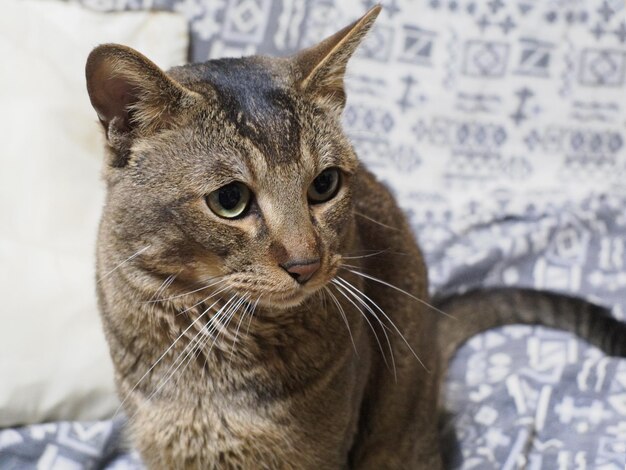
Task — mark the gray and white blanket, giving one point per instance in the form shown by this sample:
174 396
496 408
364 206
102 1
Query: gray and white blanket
500 126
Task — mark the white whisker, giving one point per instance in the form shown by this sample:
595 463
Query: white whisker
375 221
223 326
212 322
195 346
343 290
343 316
164 285
375 279
388 319
243 314
217 292
228 314
162 356
322 294
130 258
232 311
177 296
252 314
379 252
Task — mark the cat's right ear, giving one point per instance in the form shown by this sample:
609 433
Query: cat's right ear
320 69
130 93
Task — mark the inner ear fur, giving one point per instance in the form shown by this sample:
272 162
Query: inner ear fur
130 93
320 69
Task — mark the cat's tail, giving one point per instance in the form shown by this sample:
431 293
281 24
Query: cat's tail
480 310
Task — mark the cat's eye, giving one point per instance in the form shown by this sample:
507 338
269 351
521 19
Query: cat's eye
324 186
230 201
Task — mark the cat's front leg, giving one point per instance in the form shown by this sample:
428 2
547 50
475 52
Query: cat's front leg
398 427
399 430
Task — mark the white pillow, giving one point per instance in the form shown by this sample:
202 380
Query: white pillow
54 362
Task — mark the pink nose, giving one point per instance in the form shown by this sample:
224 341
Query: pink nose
301 270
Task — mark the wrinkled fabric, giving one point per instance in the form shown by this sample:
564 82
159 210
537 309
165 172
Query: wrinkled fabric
500 127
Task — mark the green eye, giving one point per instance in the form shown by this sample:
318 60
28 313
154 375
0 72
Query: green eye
230 201
324 186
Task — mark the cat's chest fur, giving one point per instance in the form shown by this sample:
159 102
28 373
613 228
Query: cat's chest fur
280 390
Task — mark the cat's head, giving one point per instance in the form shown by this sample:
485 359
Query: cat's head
234 172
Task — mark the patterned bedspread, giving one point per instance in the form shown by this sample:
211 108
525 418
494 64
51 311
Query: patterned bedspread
500 126
517 397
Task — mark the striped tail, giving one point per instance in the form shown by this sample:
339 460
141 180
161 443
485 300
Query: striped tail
480 310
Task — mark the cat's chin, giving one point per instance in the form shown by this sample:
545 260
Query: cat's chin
286 300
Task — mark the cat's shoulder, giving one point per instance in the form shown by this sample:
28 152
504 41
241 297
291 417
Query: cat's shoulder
370 190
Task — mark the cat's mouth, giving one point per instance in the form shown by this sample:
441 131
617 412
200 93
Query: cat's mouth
291 297
287 295
284 300
296 296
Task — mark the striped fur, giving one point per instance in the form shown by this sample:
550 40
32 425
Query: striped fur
481 310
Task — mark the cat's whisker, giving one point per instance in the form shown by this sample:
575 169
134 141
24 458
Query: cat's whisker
213 294
202 342
380 281
207 356
367 217
130 258
164 285
195 346
379 252
323 298
349 288
228 314
243 314
252 314
345 290
343 316
376 252
210 330
177 296
222 327
374 304
370 250
212 324
190 348
162 356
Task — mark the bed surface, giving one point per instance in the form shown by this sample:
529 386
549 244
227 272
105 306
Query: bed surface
500 126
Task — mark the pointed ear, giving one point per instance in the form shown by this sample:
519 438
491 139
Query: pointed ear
320 69
130 93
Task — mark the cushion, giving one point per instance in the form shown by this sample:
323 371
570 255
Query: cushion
54 362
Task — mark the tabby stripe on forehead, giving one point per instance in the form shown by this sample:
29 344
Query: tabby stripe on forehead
258 107
272 128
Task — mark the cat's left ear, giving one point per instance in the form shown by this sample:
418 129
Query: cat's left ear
320 69
130 93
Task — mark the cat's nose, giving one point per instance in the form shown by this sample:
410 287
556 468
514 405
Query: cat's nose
301 270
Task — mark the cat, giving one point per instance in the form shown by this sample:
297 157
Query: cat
263 298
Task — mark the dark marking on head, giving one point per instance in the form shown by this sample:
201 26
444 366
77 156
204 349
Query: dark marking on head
254 100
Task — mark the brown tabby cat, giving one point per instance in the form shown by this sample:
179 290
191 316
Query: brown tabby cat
261 292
